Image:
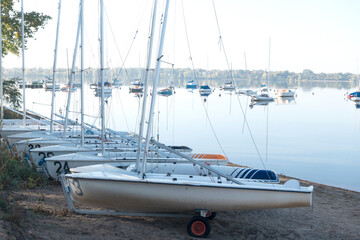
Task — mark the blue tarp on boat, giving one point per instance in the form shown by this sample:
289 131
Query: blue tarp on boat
355 94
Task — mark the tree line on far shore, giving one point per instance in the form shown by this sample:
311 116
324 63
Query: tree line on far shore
214 78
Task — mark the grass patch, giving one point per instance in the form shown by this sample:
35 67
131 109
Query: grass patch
16 173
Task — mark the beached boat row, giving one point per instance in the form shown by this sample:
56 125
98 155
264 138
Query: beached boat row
132 174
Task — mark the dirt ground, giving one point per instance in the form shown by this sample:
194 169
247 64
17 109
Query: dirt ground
41 213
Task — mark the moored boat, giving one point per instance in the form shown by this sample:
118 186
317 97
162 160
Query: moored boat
165 92
136 86
228 86
354 96
284 93
262 97
191 85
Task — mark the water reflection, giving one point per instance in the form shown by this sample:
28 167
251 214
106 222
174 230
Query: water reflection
320 131
107 92
284 100
137 94
259 103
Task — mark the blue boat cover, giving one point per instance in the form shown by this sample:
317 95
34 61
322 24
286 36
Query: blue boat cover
355 94
255 174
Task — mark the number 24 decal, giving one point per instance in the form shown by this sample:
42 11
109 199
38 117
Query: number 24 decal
60 167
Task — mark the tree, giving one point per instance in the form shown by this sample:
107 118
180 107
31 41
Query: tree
12 39
11 93
11 26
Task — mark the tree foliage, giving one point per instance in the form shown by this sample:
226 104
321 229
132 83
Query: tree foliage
12 40
11 26
11 93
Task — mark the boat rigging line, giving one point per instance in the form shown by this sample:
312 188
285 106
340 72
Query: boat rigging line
232 77
267 109
193 68
247 97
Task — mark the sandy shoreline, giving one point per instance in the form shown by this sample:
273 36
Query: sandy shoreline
41 213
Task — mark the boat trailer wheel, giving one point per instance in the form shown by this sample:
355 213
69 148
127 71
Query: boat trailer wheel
198 227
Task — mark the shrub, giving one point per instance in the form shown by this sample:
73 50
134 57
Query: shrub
15 172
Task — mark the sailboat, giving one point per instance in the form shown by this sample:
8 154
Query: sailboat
284 93
153 194
165 92
191 85
228 86
263 95
354 96
136 86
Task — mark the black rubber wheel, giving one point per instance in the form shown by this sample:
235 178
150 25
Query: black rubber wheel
198 227
210 215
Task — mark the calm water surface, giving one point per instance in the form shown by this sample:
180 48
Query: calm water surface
315 136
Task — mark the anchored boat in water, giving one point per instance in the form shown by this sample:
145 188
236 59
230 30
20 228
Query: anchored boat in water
354 96
284 93
191 85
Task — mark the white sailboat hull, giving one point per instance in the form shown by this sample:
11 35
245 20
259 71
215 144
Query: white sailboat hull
129 193
26 145
38 154
243 173
20 136
55 165
7 131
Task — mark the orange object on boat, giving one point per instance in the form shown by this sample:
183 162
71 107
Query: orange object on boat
207 156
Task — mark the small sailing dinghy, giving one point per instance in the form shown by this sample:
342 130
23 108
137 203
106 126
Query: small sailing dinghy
55 164
244 173
170 194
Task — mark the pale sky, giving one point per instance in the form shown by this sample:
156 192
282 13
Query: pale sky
321 35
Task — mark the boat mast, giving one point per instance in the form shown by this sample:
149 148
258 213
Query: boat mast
23 60
54 71
146 82
268 75
153 97
1 76
82 138
102 76
72 75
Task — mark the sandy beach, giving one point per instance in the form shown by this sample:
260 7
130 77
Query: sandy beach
41 213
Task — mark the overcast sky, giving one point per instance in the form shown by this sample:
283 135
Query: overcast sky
321 35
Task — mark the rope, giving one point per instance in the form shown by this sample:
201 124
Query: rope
232 77
123 65
192 63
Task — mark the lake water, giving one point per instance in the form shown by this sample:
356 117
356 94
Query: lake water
315 136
